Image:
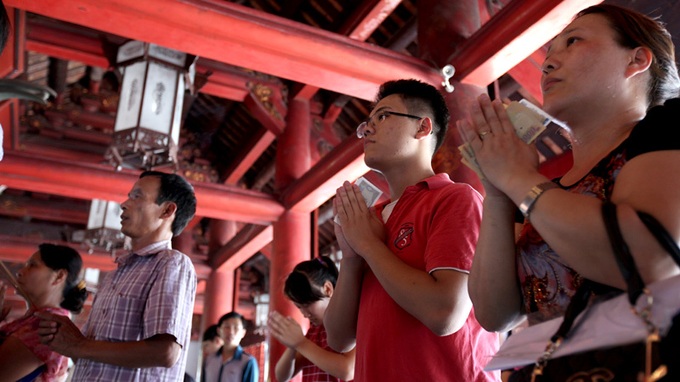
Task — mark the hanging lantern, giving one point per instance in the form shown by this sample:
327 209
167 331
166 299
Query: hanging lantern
103 227
146 131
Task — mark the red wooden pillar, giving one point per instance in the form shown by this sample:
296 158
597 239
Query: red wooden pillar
219 291
12 64
442 26
185 244
219 296
292 230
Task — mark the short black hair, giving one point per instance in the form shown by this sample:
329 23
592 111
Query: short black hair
304 284
420 97
210 333
176 189
232 315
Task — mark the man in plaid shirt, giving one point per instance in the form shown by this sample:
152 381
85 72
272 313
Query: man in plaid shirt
140 323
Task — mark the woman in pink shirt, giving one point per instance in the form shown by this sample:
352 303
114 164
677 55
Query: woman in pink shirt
50 281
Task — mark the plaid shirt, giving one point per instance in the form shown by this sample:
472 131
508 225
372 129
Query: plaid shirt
311 372
152 292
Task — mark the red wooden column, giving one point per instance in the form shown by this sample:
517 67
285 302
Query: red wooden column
219 291
185 244
292 230
442 26
12 64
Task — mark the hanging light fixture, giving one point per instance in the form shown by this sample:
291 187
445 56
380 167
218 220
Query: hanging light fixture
103 227
146 131
261 301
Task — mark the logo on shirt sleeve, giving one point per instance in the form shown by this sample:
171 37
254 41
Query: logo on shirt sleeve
404 234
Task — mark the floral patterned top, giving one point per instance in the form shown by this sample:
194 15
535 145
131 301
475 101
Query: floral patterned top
25 329
547 283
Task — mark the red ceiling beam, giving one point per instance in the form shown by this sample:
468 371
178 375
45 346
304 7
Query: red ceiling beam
241 36
89 182
316 186
69 45
518 30
18 250
528 74
40 146
247 242
44 209
12 63
260 142
372 14
266 105
267 108
15 250
365 20
224 81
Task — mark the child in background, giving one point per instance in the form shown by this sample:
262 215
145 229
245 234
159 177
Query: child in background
310 287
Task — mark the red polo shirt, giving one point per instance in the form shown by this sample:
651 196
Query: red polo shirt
434 225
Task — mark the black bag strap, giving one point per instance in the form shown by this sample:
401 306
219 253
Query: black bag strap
626 264
625 261
661 235
578 303
622 254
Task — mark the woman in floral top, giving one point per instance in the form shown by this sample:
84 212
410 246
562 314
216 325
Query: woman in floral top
50 280
611 77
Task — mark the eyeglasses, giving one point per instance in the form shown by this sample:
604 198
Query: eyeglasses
377 118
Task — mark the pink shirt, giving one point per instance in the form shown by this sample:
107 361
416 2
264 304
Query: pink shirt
25 329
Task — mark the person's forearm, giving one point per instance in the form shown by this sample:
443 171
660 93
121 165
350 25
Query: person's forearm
338 365
285 367
440 304
162 352
493 284
340 318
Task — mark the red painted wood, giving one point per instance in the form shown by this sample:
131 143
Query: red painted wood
90 182
233 34
528 75
292 232
316 186
13 249
247 242
369 18
459 20
219 295
12 62
518 30
253 150
44 209
9 119
223 81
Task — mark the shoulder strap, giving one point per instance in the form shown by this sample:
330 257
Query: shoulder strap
661 235
624 260
622 254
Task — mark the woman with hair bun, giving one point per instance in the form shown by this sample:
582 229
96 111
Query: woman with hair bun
310 286
51 282
611 76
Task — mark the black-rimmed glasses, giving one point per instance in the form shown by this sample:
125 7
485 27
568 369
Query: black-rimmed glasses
377 118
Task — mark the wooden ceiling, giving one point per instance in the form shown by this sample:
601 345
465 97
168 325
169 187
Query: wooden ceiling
254 57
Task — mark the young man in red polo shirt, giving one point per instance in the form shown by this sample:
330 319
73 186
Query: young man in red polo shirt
401 297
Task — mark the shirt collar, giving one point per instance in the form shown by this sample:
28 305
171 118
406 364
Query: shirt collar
238 353
150 249
435 181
